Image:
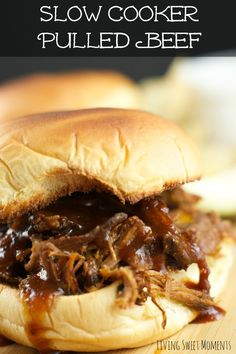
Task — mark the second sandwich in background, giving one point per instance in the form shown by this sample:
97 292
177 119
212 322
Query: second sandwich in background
47 92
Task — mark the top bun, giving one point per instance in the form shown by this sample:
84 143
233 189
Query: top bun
132 154
66 91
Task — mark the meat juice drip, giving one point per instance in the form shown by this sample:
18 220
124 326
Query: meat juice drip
209 314
37 295
212 313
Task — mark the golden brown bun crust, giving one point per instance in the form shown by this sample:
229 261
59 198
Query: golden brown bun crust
131 153
66 91
92 322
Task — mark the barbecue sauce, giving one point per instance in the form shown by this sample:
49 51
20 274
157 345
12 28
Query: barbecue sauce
37 295
88 211
212 313
12 242
39 291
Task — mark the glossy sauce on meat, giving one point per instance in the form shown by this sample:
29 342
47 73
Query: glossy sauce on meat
214 313
86 210
142 236
38 296
12 243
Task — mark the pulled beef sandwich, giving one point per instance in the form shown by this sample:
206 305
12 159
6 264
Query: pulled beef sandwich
49 92
100 248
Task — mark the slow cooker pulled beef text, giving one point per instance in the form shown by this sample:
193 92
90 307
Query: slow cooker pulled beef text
84 242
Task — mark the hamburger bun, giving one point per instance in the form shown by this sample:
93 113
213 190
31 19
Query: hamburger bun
131 153
48 92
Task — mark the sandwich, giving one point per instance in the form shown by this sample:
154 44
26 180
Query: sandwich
100 248
48 92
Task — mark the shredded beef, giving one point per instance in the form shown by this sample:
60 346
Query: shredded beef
179 199
208 230
175 290
128 293
183 250
62 257
52 225
132 245
181 247
136 245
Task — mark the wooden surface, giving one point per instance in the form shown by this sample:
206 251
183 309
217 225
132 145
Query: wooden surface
224 330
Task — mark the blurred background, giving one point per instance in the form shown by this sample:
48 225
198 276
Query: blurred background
135 67
198 93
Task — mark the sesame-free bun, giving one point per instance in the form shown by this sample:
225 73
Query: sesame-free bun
93 322
47 92
132 154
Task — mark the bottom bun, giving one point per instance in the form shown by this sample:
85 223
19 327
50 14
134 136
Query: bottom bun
92 322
